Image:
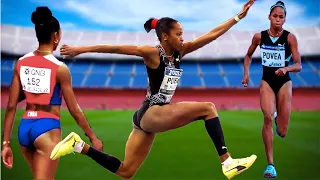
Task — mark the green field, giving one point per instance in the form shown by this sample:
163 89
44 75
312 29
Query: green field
188 153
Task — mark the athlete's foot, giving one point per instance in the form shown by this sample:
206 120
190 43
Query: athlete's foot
66 146
238 166
270 172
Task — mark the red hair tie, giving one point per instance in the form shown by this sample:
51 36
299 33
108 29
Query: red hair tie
154 23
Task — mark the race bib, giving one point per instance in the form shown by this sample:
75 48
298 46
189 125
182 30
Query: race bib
35 80
273 56
170 82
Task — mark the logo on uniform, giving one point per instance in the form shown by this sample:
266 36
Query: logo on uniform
26 71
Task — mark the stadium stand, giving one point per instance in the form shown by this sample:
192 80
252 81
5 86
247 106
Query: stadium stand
127 74
217 65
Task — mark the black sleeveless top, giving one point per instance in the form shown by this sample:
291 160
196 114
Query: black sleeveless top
274 55
156 77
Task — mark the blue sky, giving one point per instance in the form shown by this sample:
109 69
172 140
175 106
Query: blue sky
130 15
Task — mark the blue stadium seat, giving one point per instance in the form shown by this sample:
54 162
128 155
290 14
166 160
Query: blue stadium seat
255 67
190 79
6 76
120 80
231 67
296 82
316 64
255 78
210 67
77 78
311 78
7 63
96 79
189 67
123 68
101 67
79 67
141 68
213 80
235 79
140 80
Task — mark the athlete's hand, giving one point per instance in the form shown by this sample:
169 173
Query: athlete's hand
245 9
69 51
281 71
7 156
245 80
97 143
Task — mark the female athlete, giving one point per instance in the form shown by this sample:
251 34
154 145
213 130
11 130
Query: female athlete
277 47
156 114
42 78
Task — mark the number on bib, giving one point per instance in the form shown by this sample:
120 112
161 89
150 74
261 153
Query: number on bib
35 80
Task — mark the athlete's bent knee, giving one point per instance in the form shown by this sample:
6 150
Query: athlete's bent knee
211 111
126 172
267 119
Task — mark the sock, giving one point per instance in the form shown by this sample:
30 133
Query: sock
271 164
79 146
107 161
214 130
227 162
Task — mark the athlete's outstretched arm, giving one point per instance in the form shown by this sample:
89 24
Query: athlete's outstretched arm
15 89
205 39
64 78
147 52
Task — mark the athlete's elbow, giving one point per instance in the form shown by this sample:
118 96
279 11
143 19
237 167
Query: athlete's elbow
299 67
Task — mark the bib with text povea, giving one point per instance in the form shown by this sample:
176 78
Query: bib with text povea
169 83
273 56
35 80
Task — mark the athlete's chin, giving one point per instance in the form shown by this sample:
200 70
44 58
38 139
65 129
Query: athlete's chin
277 26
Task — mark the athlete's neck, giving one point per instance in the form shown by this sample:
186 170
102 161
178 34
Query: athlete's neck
167 50
44 49
275 32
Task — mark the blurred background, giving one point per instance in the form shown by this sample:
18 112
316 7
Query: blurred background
110 87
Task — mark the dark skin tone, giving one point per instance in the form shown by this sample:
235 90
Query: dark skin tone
40 164
267 97
170 116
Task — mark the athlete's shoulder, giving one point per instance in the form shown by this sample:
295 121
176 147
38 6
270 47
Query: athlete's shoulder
53 59
26 55
256 38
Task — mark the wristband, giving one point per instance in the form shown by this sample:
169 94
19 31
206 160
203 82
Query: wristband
236 18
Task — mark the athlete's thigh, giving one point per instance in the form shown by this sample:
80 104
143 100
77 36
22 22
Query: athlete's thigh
171 116
137 149
284 98
44 167
28 155
267 99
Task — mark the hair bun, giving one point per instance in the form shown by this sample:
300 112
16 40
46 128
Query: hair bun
42 15
280 2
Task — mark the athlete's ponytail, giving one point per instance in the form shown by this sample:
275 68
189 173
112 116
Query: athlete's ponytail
150 24
163 25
